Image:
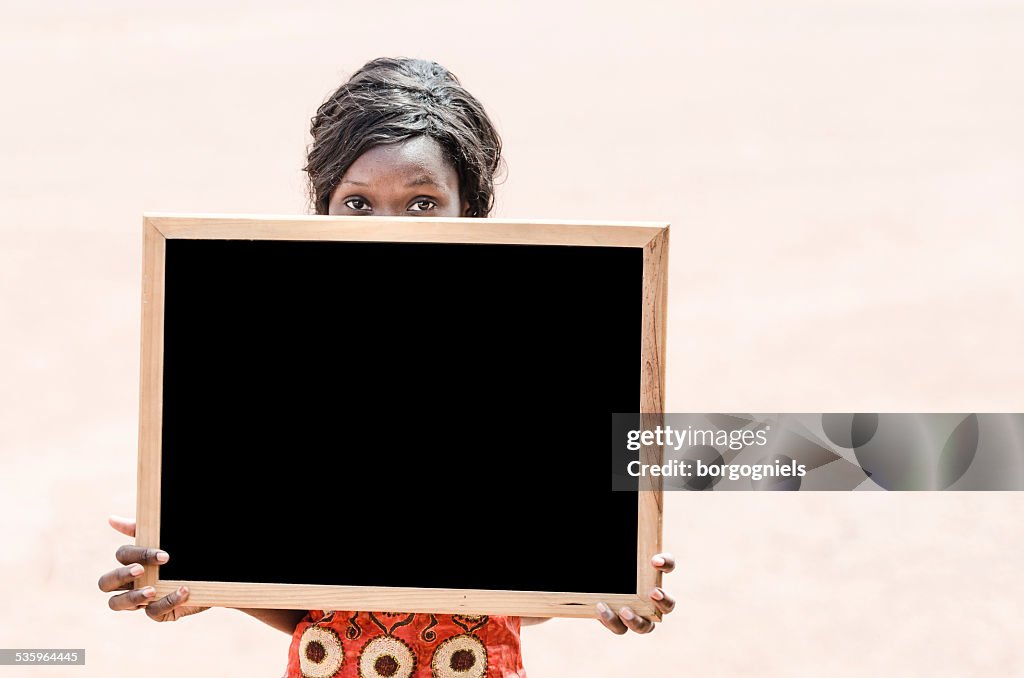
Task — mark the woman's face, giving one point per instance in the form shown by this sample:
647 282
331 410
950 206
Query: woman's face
408 179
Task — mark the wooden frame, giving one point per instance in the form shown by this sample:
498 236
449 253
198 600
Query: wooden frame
158 228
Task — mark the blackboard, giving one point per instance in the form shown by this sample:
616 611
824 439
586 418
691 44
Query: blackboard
351 407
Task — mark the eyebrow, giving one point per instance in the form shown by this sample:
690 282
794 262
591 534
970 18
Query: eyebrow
421 180
424 180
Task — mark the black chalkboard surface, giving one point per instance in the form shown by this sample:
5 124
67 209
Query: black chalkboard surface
419 415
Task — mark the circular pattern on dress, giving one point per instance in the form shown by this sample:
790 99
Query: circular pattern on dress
320 652
461 656
386 657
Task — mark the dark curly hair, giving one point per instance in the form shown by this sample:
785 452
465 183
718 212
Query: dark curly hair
390 100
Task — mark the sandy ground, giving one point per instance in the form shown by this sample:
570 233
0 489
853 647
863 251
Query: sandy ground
843 179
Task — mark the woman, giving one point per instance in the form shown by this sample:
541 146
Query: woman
401 138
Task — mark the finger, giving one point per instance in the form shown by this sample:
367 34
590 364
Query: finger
634 622
125 526
127 554
665 562
662 600
610 620
167 603
119 578
132 600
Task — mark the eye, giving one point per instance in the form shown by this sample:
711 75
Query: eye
422 205
357 204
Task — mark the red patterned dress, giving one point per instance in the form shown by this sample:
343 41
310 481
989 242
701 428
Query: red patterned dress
402 645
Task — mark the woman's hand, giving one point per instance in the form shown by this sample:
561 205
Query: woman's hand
626 619
134 559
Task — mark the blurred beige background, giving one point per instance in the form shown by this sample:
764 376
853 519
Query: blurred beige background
844 181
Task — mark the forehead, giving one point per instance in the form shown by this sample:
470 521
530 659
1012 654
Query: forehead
419 157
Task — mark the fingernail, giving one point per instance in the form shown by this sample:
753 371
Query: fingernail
627 614
149 592
657 594
604 611
135 570
182 590
162 556
658 561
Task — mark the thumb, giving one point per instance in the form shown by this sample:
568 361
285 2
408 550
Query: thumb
125 526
